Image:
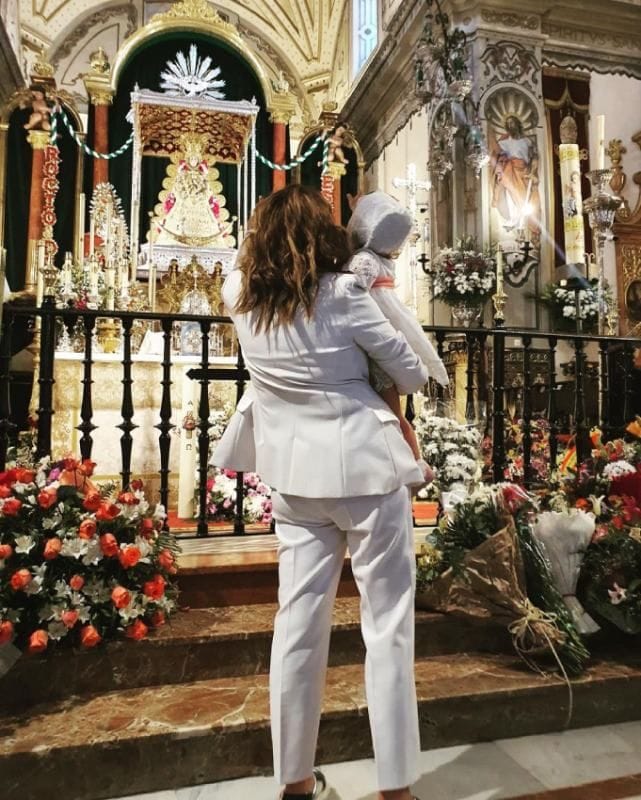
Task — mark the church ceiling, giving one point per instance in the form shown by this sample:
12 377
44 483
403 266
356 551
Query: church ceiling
302 38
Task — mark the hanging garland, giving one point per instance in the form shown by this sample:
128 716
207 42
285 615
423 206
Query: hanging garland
76 136
303 157
90 152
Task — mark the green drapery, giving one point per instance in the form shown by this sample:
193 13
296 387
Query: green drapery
144 69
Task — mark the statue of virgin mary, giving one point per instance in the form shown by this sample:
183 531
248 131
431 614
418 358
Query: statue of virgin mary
192 209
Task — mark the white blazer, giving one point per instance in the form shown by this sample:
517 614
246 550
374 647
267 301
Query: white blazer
311 425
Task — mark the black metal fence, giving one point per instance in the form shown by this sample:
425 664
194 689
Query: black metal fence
596 384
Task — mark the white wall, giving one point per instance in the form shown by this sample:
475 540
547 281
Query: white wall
619 99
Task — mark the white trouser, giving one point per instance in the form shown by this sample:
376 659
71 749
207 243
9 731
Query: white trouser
313 536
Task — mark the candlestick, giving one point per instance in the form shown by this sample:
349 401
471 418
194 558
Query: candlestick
107 244
110 294
151 239
600 135
152 287
40 286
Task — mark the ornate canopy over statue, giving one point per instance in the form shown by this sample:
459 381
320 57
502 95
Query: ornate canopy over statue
195 132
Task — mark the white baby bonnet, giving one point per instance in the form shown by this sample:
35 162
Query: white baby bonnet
380 223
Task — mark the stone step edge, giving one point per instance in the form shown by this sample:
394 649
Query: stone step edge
482 699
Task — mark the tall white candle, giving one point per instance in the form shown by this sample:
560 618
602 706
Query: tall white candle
152 287
81 228
92 234
499 270
600 136
40 278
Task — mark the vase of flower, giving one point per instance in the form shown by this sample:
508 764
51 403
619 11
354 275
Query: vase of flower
464 278
465 314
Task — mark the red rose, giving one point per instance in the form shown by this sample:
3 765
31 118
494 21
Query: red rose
47 498
53 547
70 463
38 641
6 631
11 506
128 499
20 579
167 561
109 545
87 529
129 556
92 501
69 618
87 467
25 475
5 491
89 636
120 597
158 619
137 631
9 477
107 512
137 485
156 588
76 582
6 551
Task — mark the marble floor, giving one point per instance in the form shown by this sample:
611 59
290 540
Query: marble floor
601 763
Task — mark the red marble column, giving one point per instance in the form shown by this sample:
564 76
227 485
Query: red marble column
38 140
279 179
101 142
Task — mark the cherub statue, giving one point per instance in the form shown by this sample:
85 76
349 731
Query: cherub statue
336 144
39 119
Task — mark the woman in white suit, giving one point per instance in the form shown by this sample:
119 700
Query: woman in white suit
333 453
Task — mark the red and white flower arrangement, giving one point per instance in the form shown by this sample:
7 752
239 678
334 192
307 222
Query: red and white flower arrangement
80 563
222 491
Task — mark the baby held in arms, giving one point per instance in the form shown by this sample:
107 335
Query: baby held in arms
379 228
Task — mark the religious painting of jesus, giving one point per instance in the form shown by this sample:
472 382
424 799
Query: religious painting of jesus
514 168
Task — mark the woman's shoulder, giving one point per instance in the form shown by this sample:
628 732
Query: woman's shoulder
231 287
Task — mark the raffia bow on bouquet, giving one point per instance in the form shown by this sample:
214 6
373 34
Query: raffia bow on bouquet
564 537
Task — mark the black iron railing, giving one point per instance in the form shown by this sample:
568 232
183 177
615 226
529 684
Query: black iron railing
572 380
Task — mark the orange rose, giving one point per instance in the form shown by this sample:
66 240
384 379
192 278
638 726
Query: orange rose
107 512
87 529
156 588
128 499
6 631
20 579
25 475
109 545
53 547
120 597
76 582
38 641
47 498
5 491
89 636
129 556
11 506
92 501
137 631
158 619
6 551
70 463
167 561
69 618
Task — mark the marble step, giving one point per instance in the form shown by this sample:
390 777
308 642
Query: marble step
148 739
210 643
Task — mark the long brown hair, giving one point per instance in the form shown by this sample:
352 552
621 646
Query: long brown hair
294 240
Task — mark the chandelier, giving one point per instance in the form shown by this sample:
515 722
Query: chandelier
444 85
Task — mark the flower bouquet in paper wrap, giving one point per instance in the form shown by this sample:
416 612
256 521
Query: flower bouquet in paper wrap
564 537
480 568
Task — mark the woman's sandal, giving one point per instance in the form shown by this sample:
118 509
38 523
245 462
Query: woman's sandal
320 791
